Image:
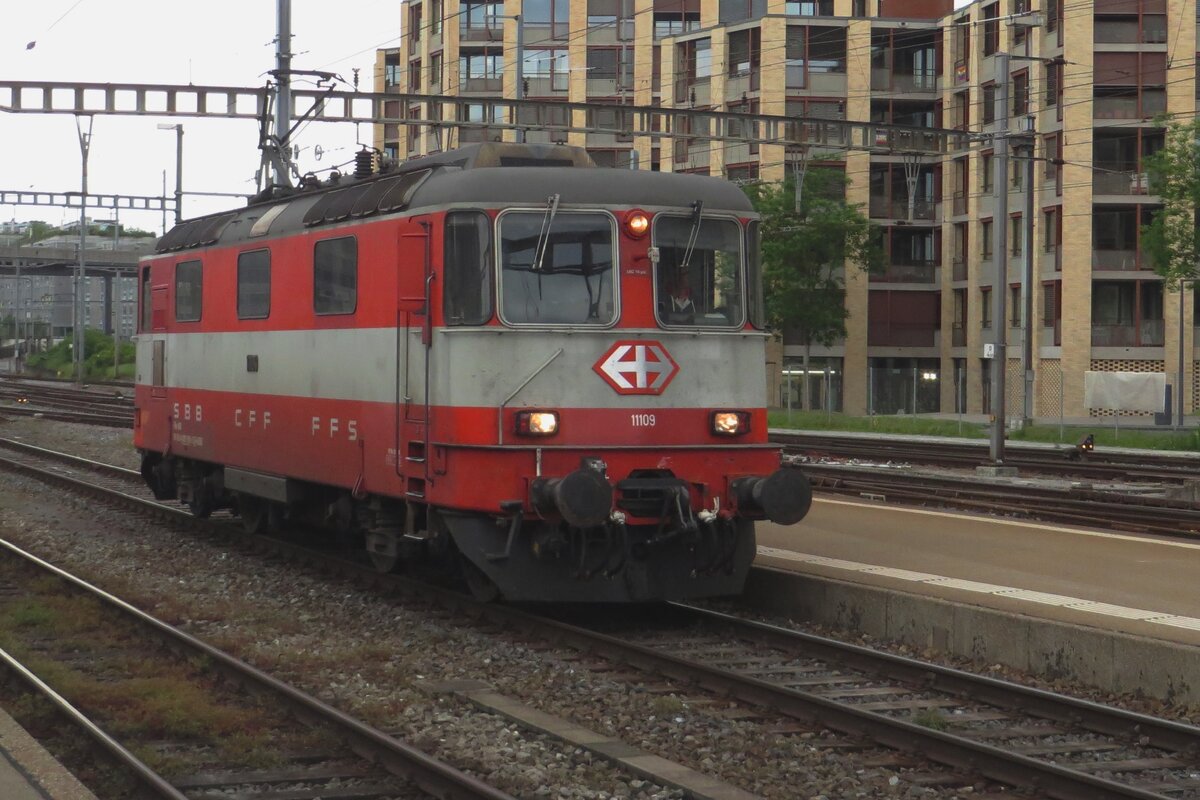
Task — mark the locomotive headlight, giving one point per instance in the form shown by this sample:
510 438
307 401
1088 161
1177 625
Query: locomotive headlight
730 423
637 223
537 423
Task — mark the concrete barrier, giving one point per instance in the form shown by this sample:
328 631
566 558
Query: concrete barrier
1106 660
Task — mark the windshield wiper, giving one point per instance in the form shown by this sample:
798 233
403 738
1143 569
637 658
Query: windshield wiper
697 213
539 252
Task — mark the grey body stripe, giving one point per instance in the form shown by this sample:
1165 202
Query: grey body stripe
470 367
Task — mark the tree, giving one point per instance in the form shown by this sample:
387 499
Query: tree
1172 239
807 254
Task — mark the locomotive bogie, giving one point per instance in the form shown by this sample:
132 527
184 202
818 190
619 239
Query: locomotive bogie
549 378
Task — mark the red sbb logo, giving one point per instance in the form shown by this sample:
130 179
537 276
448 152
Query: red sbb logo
637 367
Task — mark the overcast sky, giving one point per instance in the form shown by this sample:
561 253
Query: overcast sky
215 43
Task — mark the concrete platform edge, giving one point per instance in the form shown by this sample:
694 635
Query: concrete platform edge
31 773
1106 660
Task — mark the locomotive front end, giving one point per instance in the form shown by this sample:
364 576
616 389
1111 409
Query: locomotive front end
627 359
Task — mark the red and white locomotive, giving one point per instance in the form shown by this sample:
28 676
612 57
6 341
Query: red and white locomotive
548 375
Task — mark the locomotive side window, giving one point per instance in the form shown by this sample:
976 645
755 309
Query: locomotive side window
467 299
557 268
254 284
188 284
147 306
699 277
754 290
335 276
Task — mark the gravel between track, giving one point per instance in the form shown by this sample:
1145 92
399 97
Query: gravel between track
365 653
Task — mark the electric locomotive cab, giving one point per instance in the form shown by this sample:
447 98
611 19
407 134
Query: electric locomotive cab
620 342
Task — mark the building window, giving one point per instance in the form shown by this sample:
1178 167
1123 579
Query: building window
254 284
188 291
335 276
1050 230
985 238
1049 304
985 308
991 29
414 22
1016 235
989 103
815 8
391 70
1015 306
1050 152
435 73
414 76
743 52
552 14
1053 75
435 18
1020 87
674 18
987 172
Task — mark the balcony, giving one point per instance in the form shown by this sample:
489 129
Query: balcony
909 270
1121 182
960 202
1149 333
693 91
1118 260
918 80
1153 101
1127 31
885 333
924 208
492 86
481 33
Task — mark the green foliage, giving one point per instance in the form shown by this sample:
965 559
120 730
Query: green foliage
931 718
807 254
98 357
1172 239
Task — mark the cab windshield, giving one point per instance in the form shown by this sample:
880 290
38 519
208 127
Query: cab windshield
702 288
571 283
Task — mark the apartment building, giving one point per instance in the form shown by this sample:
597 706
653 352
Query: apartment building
1085 83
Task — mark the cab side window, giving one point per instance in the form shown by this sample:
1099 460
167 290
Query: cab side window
189 283
467 299
254 284
147 305
335 276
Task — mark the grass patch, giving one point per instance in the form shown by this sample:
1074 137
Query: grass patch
1104 432
931 718
665 705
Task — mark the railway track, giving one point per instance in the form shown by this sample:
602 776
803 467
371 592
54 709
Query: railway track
1064 461
110 408
1111 510
981 728
97 645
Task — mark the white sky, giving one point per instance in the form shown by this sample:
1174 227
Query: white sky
215 43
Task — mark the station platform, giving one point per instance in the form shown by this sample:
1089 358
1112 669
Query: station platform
29 772
1116 611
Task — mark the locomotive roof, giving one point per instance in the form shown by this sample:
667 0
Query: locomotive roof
483 174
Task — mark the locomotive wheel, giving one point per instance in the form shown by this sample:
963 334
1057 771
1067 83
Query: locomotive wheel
481 585
253 511
384 563
201 506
